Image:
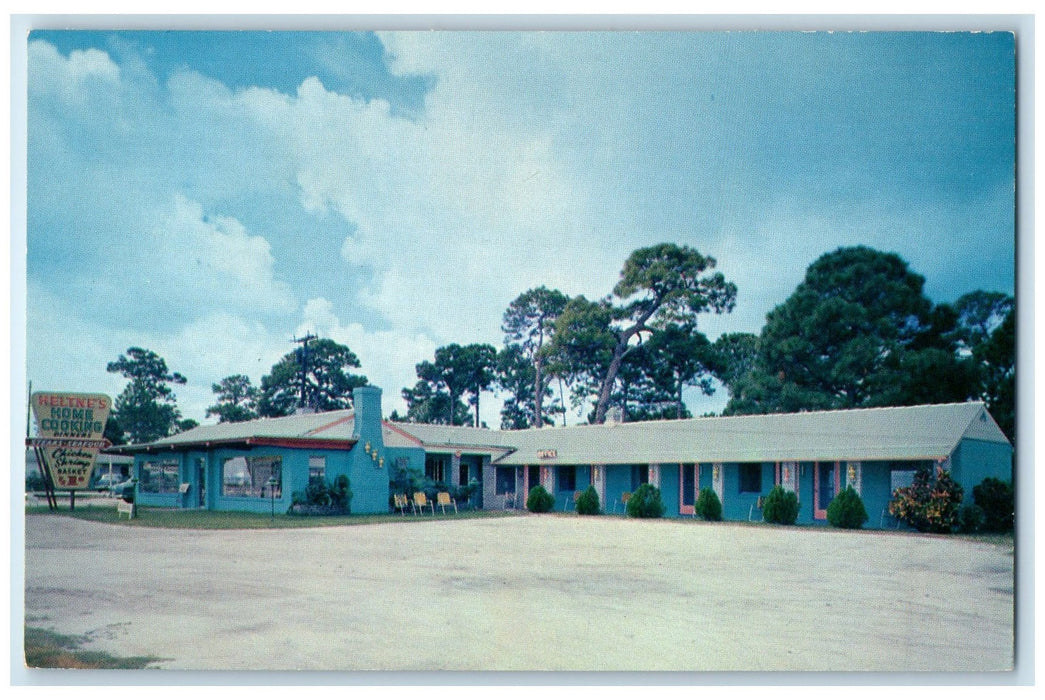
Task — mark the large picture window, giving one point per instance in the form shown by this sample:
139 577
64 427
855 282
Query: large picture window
248 477
159 477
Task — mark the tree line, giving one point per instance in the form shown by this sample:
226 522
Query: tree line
857 332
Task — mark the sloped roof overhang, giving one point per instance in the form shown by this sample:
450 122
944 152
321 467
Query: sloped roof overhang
242 443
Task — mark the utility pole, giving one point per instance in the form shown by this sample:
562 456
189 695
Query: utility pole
303 361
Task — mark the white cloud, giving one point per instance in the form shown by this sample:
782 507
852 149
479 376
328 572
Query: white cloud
211 261
68 78
455 214
387 357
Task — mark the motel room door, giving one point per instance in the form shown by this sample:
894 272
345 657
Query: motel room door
533 477
688 483
826 476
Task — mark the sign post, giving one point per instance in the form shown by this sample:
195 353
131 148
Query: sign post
70 432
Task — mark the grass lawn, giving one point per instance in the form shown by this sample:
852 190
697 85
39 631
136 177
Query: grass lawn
47 649
231 520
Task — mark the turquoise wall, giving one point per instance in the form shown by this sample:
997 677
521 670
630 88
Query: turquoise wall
805 492
875 491
975 460
294 473
669 489
737 505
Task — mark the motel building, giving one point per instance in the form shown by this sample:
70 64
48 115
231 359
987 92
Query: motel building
259 464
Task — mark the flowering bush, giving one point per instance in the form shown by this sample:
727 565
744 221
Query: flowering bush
928 505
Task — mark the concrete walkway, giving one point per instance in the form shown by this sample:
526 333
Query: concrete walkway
531 593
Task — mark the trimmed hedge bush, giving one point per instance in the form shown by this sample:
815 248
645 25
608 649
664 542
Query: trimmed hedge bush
708 506
645 502
539 500
846 510
780 506
588 502
997 500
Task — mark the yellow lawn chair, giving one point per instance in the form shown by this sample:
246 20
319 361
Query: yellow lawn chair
421 502
442 499
401 502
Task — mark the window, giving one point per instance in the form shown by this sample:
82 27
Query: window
900 478
750 478
248 477
435 466
317 469
505 480
159 477
566 478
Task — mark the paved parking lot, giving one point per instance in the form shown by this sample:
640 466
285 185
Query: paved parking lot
529 593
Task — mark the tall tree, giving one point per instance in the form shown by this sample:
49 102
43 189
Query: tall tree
427 403
857 331
733 356
516 375
997 361
680 357
658 285
641 391
980 313
582 349
529 323
320 371
237 399
147 408
460 370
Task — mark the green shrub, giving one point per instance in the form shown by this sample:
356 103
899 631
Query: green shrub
645 502
588 502
996 499
318 492
35 482
340 493
464 494
846 510
539 500
708 506
928 505
780 506
971 518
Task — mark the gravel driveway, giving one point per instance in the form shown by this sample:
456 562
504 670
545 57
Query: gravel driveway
530 593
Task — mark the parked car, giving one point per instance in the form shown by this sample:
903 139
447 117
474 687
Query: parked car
113 483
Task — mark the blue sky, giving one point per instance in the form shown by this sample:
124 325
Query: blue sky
212 195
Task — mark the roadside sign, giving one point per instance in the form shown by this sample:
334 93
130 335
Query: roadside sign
71 432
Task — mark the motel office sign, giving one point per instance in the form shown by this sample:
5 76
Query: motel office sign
70 432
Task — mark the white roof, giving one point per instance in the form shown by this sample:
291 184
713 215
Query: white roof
331 425
903 433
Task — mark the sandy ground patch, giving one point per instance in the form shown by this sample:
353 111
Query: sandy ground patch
531 593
